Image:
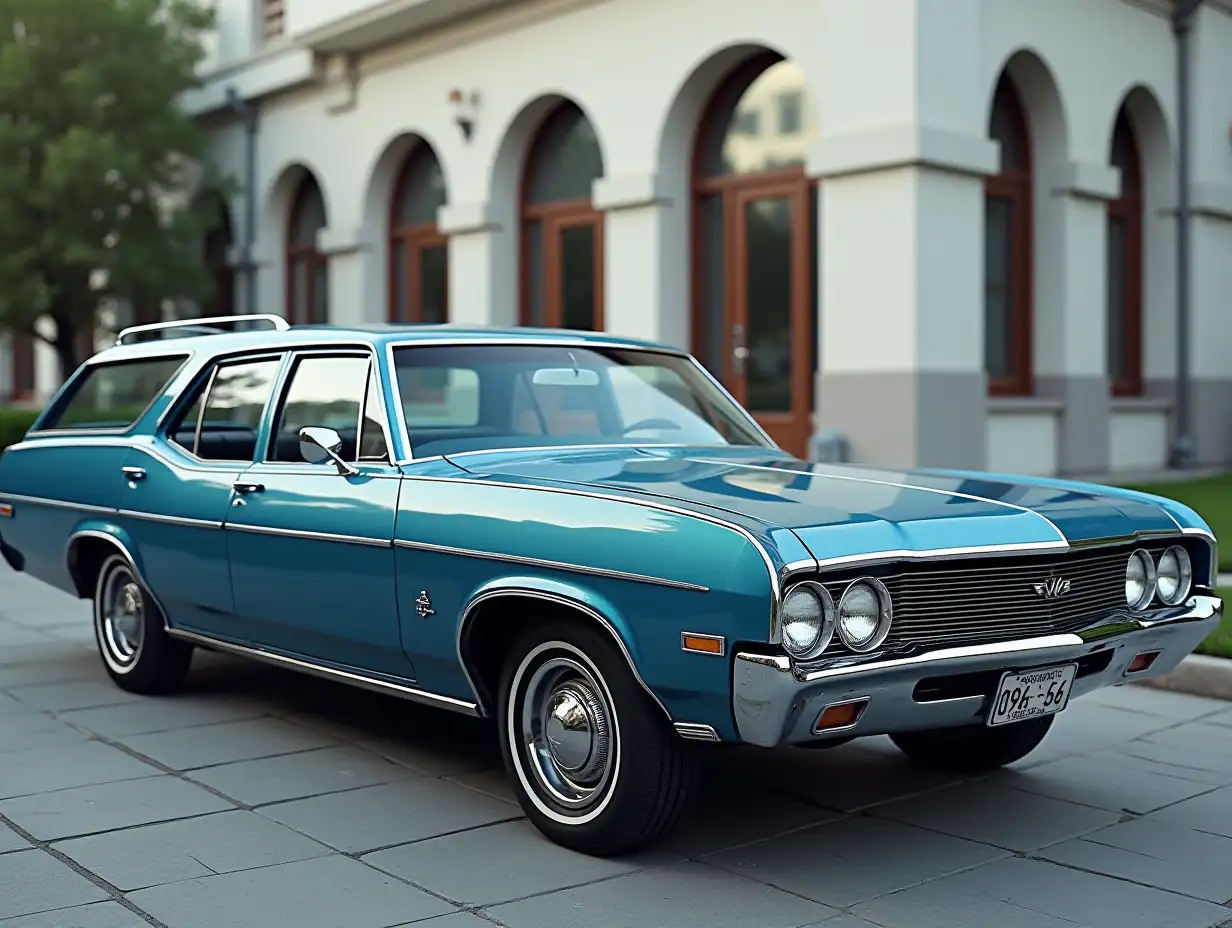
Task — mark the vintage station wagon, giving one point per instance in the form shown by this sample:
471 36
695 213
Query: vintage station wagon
586 539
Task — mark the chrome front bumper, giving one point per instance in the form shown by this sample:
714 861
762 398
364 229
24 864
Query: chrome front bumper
778 702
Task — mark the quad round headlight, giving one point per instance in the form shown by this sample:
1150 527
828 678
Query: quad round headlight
1139 580
1174 576
864 614
808 620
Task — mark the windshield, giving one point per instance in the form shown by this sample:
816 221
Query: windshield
485 397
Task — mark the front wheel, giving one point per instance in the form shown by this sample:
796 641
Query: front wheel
594 763
137 651
974 748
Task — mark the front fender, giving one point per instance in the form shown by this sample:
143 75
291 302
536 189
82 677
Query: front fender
594 605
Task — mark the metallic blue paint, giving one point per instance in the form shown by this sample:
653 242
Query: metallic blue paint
656 539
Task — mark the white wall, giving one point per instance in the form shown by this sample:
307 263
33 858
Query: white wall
917 75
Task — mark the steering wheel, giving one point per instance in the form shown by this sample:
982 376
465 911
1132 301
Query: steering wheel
651 424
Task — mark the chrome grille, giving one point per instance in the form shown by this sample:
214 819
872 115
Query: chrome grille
994 599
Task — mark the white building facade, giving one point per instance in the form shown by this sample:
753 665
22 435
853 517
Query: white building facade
946 229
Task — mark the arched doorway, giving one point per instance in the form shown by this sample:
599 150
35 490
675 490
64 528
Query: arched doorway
219 237
562 233
307 269
1008 230
1124 268
418 252
754 254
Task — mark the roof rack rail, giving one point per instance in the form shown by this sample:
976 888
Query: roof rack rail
204 326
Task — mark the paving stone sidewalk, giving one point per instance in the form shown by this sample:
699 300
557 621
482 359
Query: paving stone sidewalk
262 798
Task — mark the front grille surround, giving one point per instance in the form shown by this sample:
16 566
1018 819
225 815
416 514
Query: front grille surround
980 600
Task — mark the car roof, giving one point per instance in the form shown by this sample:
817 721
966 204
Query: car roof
377 335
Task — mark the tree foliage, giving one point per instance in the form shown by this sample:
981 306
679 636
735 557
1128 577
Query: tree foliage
98 163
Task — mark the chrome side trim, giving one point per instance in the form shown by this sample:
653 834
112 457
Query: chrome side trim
308 536
697 731
470 608
776 588
57 503
550 565
386 687
953 494
168 520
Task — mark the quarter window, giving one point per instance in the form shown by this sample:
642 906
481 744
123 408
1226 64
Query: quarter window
225 426
113 396
329 392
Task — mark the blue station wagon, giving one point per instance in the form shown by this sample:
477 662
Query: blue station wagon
587 540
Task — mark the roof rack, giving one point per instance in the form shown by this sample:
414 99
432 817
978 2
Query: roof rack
202 326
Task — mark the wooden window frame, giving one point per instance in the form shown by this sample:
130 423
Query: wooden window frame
23 355
406 246
1016 185
735 190
553 219
300 254
1128 207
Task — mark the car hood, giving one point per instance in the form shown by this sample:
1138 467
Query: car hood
838 511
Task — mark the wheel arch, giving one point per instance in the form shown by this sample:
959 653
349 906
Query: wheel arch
87 550
492 613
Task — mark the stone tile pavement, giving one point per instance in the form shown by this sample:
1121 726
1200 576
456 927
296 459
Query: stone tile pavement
262 798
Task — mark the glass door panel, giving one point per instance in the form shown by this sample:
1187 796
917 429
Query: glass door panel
764 336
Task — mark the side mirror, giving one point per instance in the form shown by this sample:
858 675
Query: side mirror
317 445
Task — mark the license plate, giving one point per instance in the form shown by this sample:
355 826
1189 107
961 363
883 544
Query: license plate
1028 694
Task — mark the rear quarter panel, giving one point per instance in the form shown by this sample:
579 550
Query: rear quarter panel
537 526
56 487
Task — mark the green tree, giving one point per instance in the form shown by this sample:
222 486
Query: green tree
99 165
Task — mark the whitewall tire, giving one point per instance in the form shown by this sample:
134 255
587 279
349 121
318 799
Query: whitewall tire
594 763
137 652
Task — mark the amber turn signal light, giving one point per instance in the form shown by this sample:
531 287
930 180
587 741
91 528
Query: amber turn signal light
1142 661
840 715
703 644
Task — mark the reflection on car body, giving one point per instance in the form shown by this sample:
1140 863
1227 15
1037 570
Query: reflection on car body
586 539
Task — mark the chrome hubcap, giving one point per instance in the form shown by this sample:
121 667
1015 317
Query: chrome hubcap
566 731
123 606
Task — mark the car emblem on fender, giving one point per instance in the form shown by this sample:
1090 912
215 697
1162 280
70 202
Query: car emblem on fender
1052 587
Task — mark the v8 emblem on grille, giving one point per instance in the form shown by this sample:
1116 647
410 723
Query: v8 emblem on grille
1052 587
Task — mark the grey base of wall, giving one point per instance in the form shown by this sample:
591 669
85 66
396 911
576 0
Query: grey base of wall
1197 675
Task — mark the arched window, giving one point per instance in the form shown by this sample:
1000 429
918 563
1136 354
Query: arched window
1124 268
307 268
418 252
755 229
1007 249
562 234
217 247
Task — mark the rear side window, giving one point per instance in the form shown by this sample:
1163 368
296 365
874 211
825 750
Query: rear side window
226 429
113 396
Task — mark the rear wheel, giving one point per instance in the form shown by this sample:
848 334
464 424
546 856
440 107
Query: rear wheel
594 763
137 651
973 748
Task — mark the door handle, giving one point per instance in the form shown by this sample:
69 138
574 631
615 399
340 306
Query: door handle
133 473
246 488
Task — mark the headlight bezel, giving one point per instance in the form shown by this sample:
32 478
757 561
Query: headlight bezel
885 615
829 613
1185 576
1149 588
